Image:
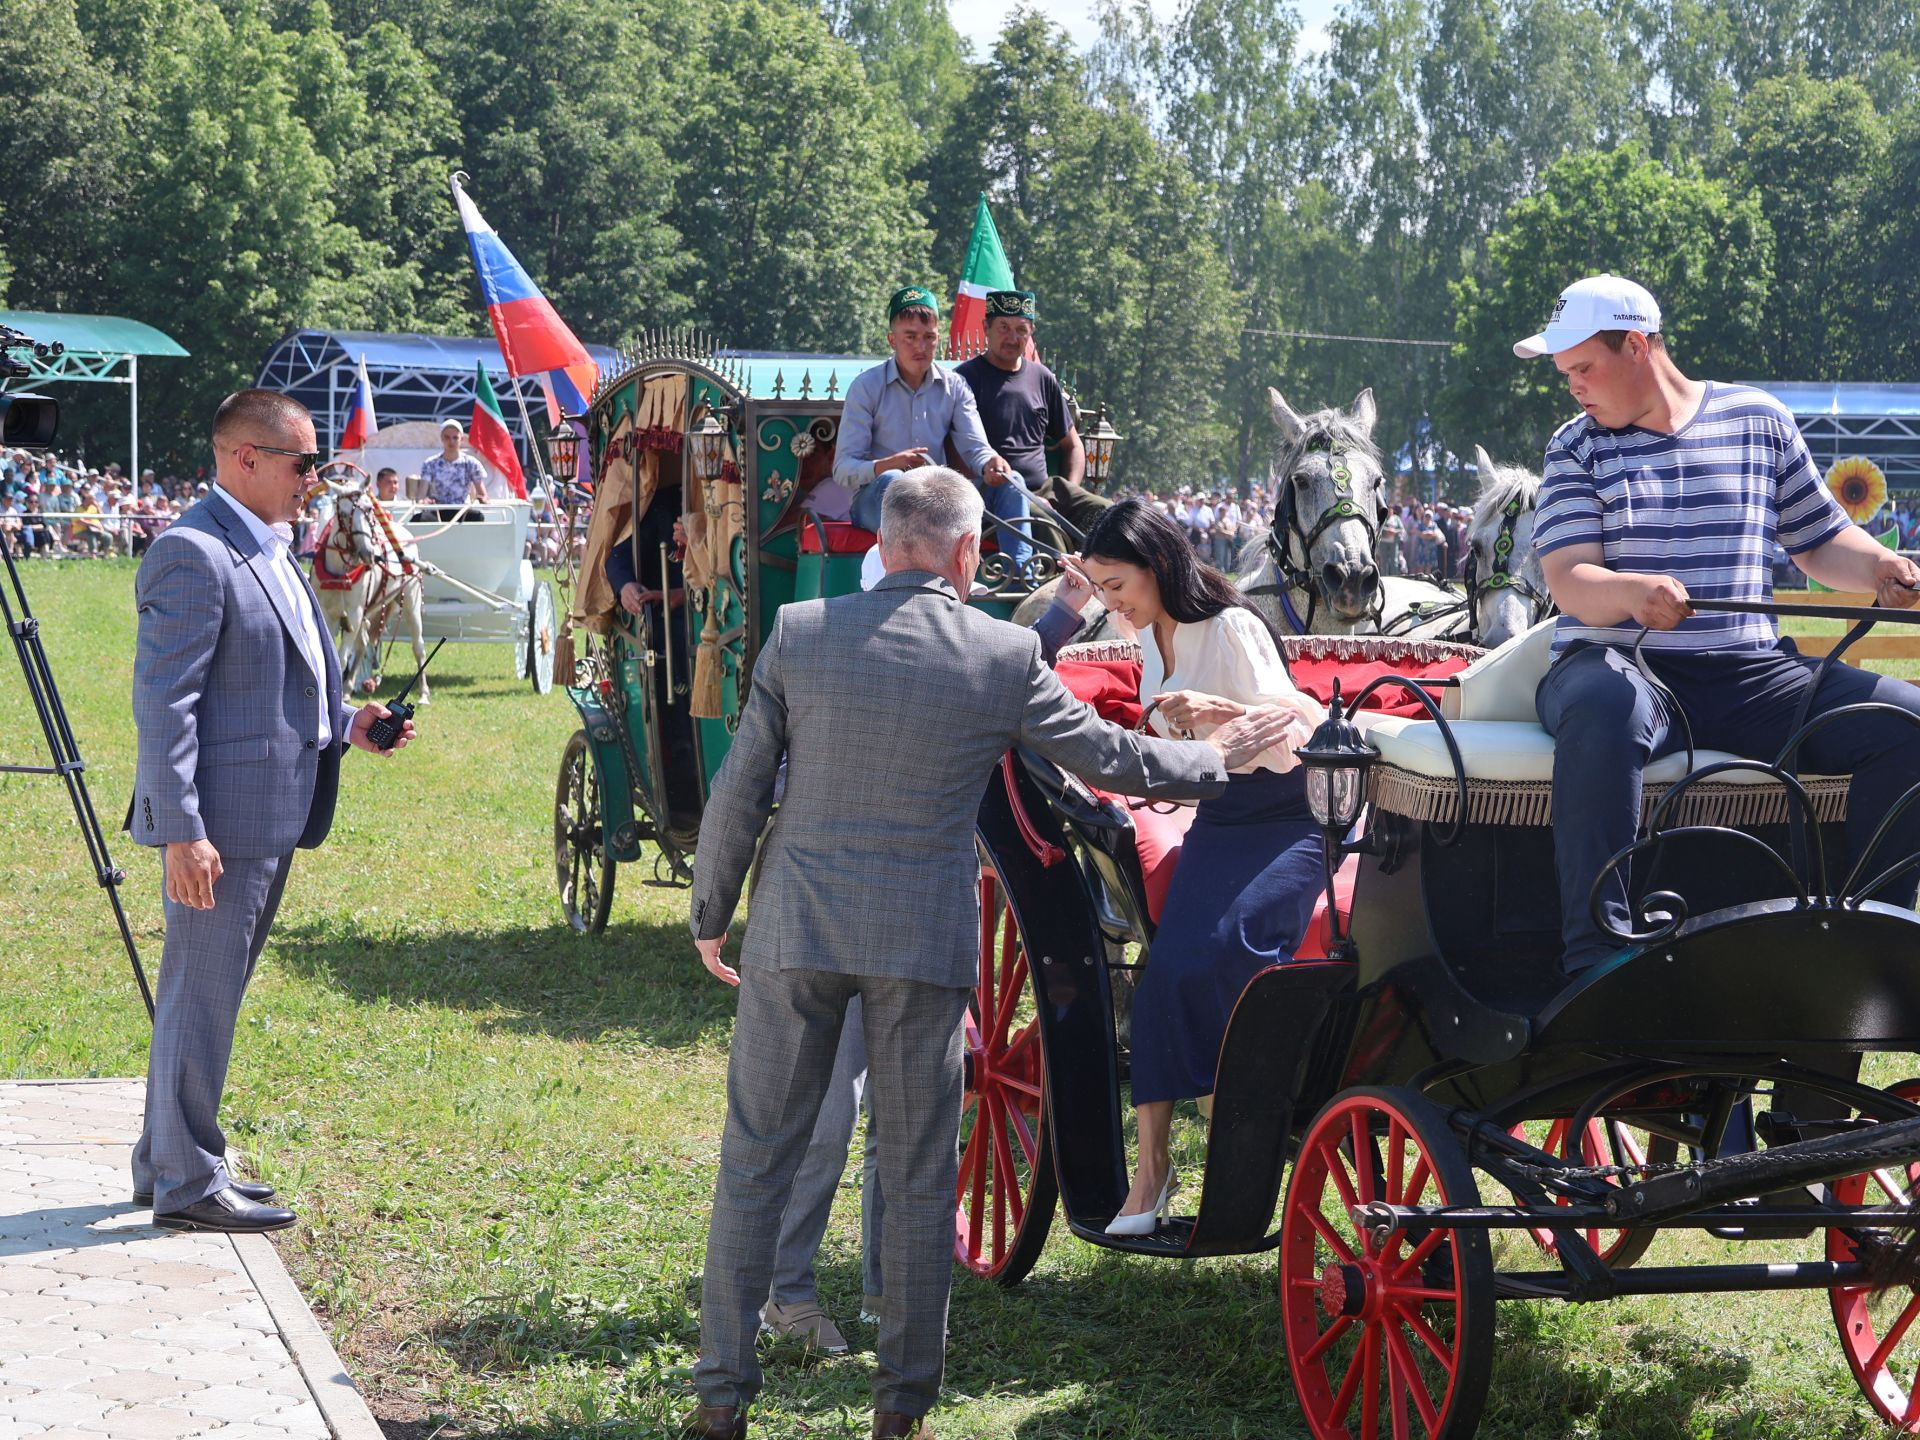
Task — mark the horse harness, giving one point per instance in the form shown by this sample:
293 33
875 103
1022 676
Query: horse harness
1502 576
1287 528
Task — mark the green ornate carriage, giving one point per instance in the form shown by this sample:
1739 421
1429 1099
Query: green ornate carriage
746 437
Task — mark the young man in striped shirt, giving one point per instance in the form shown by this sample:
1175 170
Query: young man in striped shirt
1666 490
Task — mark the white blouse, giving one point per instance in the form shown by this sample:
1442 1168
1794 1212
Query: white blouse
1232 656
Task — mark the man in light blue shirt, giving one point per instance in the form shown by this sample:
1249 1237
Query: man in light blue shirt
902 414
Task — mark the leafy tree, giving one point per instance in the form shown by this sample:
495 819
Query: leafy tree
236 238
911 52
793 193
1815 153
65 157
568 110
1705 253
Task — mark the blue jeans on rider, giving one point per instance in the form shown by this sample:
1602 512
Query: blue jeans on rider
1008 502
1609 724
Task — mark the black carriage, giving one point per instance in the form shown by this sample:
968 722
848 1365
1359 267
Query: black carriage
1435 1079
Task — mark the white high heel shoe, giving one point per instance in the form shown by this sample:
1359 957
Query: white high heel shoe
1147 1221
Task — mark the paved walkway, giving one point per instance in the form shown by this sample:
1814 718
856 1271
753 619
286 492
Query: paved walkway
111 1328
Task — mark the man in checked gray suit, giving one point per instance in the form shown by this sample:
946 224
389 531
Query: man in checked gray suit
892 708
236 697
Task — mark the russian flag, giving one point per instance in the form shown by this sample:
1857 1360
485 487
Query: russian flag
533 338
360 422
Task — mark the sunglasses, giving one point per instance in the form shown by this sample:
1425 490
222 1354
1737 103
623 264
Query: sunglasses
308 459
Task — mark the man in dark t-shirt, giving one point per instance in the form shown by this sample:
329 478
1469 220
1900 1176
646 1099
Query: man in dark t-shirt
1022 406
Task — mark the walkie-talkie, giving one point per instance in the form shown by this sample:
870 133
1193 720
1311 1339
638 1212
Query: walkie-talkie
382 733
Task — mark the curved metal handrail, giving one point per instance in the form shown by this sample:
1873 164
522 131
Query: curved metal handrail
1672 905
1670 797
1414 688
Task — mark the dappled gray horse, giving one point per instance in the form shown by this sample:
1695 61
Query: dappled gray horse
1313 570
1506 585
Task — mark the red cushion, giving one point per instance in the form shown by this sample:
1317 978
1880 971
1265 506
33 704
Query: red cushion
1111 687
843 538
1316 678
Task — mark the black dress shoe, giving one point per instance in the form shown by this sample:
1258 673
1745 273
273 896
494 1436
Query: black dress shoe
229 1211
714 1422
252 1189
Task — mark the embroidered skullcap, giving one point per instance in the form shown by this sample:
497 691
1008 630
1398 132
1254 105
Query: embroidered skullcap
1017 303
912 297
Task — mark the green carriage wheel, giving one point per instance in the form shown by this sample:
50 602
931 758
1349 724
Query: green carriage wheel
580 860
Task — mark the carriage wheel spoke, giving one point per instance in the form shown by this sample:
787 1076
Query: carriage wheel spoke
1029 1146
1912 1412
1340 1326
1366 1160
1370 1393
1415 1257
1363 1353
1896 1192
1008 1190
1397 1389
1396 1159
1332 1236
1428 1337
1885 1350
1416 1382
1342 1181
1015 976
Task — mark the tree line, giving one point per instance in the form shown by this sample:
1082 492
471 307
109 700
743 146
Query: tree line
1193 199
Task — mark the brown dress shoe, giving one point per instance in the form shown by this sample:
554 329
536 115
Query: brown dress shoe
715 1422
892 1425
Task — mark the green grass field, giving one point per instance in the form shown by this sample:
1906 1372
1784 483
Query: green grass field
501 1136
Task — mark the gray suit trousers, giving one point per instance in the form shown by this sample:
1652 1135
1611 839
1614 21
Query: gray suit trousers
204 969
784 1045
818 1181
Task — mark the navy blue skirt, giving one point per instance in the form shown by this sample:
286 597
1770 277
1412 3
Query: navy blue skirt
1242 897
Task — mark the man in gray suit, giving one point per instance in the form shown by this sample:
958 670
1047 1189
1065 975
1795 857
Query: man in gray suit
892 708
236 697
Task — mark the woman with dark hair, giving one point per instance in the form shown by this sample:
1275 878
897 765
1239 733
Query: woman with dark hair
1249 872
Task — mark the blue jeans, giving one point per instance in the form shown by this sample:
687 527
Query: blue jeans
1608 724
1007 502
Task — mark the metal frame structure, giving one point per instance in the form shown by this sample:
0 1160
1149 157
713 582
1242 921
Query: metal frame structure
414 377
86 361
1881 422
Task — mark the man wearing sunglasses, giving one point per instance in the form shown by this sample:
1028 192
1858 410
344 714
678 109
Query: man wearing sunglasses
237 701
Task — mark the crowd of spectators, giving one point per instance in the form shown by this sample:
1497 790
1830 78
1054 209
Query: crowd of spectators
52 508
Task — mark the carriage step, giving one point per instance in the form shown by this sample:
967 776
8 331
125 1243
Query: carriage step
1170 1241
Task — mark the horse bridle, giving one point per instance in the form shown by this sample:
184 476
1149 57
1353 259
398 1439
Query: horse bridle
1502 576
1287 528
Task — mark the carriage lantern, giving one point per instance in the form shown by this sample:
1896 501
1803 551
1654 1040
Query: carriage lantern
1099 442
1337 759
707 444
563 449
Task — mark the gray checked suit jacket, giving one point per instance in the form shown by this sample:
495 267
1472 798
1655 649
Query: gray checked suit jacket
892 708
224 701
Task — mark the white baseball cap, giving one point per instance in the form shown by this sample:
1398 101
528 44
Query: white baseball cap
1586 307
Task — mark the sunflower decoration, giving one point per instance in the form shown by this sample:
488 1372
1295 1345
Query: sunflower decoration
1856 482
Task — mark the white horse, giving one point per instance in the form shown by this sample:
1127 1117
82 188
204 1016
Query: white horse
1313 572
1506 584
366 573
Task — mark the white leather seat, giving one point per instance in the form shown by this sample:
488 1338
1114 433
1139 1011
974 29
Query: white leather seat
1511 751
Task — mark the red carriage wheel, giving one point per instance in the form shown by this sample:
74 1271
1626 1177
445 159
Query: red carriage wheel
1390 1337
1602 1142
1007 1188
1877 1328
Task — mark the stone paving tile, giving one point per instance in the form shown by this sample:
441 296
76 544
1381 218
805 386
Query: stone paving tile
109 1327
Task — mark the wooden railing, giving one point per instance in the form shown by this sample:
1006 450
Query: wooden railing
1892 643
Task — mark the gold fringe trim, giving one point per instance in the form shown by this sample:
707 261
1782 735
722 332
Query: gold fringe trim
1096 651
1530 802
1375 649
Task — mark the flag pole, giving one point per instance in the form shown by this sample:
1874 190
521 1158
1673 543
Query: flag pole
526 423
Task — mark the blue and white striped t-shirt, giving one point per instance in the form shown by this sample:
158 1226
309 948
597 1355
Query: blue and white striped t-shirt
1703 505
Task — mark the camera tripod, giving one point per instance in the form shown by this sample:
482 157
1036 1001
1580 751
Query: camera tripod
65 750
